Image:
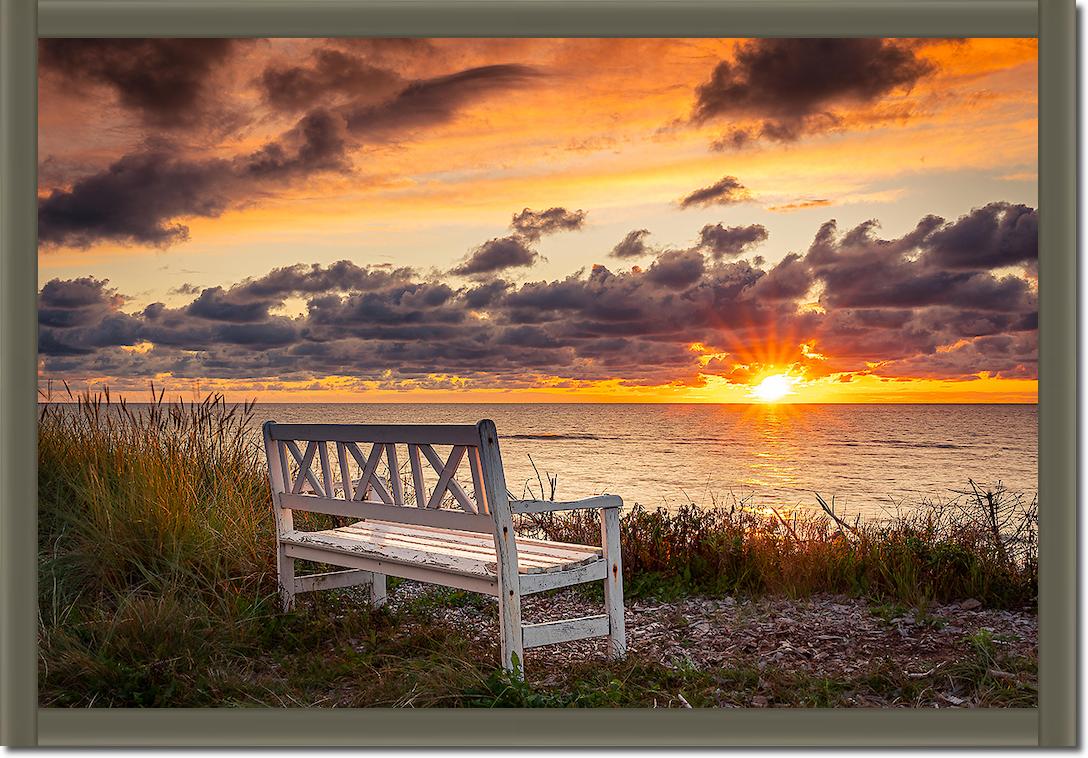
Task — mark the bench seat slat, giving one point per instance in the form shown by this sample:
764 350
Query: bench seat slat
402 544
525 544
451 546
474 582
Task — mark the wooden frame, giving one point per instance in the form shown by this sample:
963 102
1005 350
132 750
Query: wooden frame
460 560
1054 723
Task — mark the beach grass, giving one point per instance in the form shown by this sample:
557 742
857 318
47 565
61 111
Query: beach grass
937 553
157 580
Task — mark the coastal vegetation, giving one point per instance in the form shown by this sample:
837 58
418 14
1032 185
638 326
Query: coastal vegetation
157 587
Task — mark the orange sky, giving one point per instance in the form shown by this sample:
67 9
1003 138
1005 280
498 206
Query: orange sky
169 169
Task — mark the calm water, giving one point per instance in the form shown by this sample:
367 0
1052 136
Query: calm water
865 455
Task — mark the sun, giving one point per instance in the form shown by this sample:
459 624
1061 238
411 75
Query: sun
773 388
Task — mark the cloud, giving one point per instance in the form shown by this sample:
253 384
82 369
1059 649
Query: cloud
140 198
435 101
86 311
532 225
860 270
890 307
996 235
727 191
316 143
496 255
330 74
388 49
633 245
164 80
340 276
514 251
677 269
76 302
135 200
185 288
792 86
729 241
799 205
215 304
143 197
790 279
1006 356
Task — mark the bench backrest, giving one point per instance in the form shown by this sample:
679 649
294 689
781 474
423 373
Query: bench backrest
388 472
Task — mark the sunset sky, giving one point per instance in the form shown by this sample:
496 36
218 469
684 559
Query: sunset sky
541 220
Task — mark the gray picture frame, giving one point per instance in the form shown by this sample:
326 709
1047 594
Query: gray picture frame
1053 724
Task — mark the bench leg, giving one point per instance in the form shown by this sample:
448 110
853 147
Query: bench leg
285 567
377 590
613 582
510 639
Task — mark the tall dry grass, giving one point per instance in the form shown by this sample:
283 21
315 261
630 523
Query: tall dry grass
977 545
172 495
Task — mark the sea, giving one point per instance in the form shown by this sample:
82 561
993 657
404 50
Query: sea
874 460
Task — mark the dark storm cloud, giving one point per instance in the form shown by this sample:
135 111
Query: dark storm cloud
142 197
729 241
677 269
135 200
859 270
213 303
486 294
251 300
532 225
180 331
339 276
727 191
76 302
899 299
164 80
430 102
633 245
790 279
996 235
329 74
1004 356
792 85
77 293
496 255
316 143
139 198
112 330
885 306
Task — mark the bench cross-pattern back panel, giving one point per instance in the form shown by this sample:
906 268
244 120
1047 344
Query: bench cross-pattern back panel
368 468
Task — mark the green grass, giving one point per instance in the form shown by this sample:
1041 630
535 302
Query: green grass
157 587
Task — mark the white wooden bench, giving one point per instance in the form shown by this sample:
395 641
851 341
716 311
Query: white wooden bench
440 533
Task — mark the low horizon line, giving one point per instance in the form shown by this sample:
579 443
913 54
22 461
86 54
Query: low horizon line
599 402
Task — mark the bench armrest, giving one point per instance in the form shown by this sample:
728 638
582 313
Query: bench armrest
546 506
